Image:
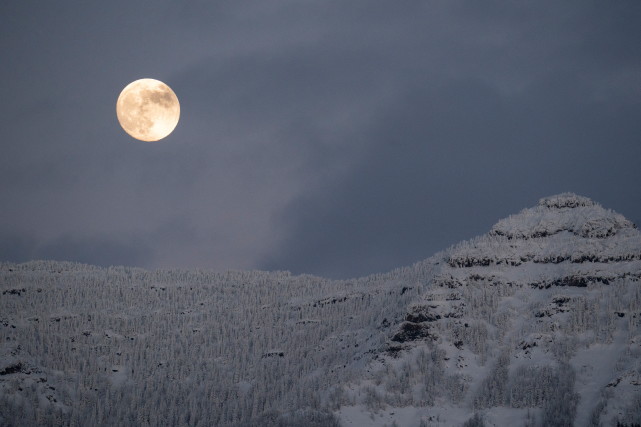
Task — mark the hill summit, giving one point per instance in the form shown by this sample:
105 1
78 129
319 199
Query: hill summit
564 212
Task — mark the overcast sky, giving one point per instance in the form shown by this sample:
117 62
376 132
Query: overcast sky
337 138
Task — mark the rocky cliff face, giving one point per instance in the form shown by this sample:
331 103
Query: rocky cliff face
536 322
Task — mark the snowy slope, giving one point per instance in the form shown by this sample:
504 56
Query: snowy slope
535 323
89 346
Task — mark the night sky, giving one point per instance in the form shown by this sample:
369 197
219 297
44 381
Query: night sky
337 138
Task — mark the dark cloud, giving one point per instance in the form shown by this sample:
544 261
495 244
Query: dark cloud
336 138
16 247
454 153
173 242
102 251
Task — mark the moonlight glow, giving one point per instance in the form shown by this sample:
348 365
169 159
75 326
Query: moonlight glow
148 109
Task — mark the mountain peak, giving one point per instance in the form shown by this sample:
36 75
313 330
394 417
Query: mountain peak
561 227
566 200
562 212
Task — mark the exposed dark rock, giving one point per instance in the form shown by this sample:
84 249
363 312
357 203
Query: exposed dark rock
13 369
412 331
447 282
422 317
463 262
574 281
525 345
469 262
561 300
17 292
614 383
552 259
307 322
565 200
533 235
452 296
394 350
331 300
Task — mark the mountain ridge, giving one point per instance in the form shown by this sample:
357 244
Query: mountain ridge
537 322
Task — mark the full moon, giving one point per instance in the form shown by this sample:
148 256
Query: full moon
148 109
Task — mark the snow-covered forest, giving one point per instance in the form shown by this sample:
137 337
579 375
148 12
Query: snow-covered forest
88 346
536 323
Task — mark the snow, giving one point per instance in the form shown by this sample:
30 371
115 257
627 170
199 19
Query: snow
118 375
408 416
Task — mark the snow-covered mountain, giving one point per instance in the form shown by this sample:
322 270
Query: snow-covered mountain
535 323
538 322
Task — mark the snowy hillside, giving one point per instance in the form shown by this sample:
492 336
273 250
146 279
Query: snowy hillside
83 345
537 322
